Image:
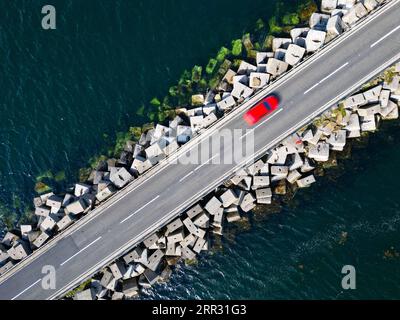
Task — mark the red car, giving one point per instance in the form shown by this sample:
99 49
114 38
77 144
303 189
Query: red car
261 109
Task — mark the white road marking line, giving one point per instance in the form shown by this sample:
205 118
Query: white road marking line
142 207
385 36
183 178
328 76
269 118
23 291
84 248
208 161
248 131
337 70
308 90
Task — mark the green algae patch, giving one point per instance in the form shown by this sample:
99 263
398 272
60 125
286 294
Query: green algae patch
166 103
389 75
267 44
45 175
47 180
84 174
185 78
80 288
155 102
257 46
59 176
246 40
274 26
162 116
41 187
202 85
236 63
151 115
252 54
291 19
224 67
331 163
7 217
237 47
306 10
211 66
135 132
222 53
27 216
260 24
94 161
197 100
122 138
173 91
147 126
140 111
214 81
191 262
342 109
319 122
196 73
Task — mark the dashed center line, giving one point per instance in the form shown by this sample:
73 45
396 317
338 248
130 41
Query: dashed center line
269 118
327 77
23 291
385 36
308 90
84 248
331 74
208 161
184 177
142 207
248 131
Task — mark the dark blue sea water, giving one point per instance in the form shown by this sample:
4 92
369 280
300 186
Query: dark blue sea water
65 93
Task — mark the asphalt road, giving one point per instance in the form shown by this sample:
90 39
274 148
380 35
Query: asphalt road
175 187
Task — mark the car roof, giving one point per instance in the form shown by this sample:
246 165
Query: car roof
259 110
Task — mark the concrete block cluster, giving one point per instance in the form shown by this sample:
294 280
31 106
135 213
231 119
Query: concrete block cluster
151 261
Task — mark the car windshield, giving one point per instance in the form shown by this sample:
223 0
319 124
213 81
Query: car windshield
267 105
